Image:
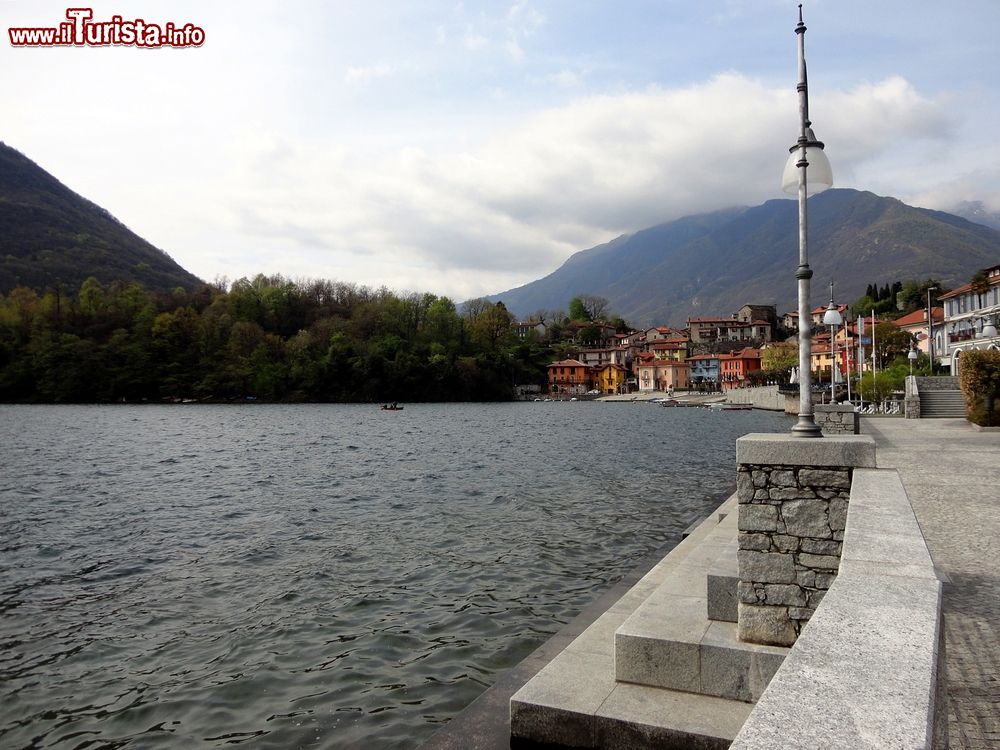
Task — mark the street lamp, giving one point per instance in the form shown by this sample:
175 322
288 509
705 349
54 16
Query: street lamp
988 330
912 356
832 318
930 326
807 152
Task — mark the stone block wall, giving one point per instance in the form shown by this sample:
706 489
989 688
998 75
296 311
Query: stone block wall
791 529
911 400
837 419
938 383
760 397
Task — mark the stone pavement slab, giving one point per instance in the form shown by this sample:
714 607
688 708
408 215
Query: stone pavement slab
951 473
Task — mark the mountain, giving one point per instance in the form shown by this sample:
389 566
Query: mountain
49 235
976 212
712 264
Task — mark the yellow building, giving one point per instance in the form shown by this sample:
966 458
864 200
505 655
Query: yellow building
610 378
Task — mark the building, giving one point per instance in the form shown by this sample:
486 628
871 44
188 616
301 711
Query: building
523 330
657 333
710 330
704 372
819 312
611 379
916 325
750 313
673 349
967 311
569 377
661 374
735 367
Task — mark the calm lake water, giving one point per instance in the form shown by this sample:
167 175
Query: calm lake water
317 576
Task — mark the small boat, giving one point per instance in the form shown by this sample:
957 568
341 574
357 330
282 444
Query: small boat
391 407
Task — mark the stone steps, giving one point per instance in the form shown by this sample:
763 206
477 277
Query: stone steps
941 404
580 698
671 642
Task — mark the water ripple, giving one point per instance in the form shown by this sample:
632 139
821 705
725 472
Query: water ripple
315 576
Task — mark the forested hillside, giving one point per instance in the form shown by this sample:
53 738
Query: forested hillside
266 338
50 235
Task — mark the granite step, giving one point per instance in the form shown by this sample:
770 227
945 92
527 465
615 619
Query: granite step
939 404
576 700
670 642
722 585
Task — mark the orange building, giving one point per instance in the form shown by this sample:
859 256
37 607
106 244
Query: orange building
570 377
734 367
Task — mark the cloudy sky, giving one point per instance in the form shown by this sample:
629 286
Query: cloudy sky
464 148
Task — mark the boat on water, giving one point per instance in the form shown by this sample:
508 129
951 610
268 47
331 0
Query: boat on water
391 407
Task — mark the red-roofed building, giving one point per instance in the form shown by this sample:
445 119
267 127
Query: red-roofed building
967 312
673 349
728 329
660 374
819 312
570 377
611 379
916 324
734 367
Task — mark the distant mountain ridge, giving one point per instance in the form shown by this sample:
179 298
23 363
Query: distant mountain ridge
50 235
713 263
977 212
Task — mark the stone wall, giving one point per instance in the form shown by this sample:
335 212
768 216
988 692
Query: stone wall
869 670
761 397
938 383
790 535
911 399
793 497
837 419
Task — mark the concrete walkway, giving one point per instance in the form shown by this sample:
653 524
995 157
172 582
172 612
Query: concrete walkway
951 473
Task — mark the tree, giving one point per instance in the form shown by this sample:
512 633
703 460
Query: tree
578 310
596 307
780 357
891 341
980 283
876 387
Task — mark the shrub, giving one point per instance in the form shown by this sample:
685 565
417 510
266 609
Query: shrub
980 382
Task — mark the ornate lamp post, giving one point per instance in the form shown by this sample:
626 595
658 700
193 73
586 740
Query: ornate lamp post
807 152
930 326
832 318
912 356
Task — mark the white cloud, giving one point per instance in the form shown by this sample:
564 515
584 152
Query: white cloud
364 75
473 41
566 178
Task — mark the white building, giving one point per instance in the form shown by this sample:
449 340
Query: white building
967 313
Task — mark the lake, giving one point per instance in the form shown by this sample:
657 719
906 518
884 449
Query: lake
317 575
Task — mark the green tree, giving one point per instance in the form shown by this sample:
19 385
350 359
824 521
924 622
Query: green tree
780 357
891 341
876 387
578 310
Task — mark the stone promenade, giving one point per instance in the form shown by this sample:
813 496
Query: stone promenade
951 473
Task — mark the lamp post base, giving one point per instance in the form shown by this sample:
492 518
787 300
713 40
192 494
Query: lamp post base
806 428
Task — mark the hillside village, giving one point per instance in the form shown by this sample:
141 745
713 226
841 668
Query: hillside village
754 345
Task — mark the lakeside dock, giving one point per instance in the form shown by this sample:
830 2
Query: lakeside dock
951 476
